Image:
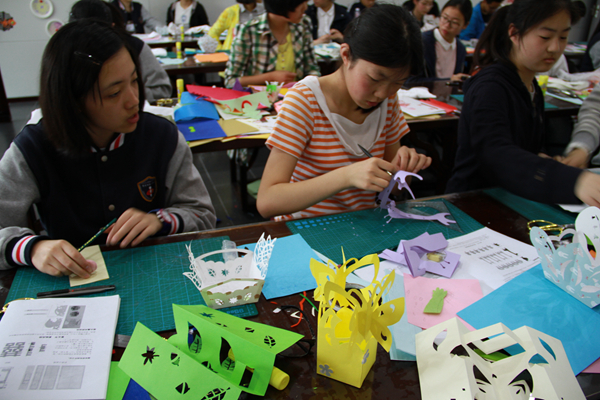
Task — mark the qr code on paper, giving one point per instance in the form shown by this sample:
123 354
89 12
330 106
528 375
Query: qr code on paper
13 349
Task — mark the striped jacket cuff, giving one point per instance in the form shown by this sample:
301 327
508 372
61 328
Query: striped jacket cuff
172 223
18 250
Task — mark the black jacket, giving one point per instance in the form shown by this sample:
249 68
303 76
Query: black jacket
136 15
198 17
500 133
341 18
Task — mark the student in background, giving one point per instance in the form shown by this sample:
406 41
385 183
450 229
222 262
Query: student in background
329 20
316 165
501 129
237 14
157 84
188 13
357 8
482 13
586 134
421 10
275 47
444 53
93 157
135 17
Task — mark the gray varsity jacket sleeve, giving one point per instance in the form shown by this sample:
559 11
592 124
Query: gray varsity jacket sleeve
18 191
187 195
586 133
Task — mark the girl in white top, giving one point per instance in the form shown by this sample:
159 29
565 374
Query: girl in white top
316 165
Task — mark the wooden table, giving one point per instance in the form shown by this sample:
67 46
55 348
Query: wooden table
387 379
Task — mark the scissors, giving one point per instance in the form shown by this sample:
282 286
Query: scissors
549 227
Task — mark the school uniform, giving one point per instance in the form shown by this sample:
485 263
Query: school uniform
139 19
356 9
500 133
150 169
341 18
431 57
198 15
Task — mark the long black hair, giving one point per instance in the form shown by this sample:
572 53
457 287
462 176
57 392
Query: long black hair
282 7
495 45
386 35
71 67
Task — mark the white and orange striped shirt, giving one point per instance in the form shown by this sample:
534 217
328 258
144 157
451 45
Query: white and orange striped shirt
304 131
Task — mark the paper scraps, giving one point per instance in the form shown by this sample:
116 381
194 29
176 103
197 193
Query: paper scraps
246 106
455 367
460 293
436 304
417 255
390 205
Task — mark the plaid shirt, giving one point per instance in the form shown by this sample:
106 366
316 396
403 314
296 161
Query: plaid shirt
254 50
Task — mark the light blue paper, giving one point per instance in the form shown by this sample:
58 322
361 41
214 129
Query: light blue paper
403 333
532 300
289 267
188 98
199 110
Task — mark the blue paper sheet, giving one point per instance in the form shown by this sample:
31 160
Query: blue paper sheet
198 130
200 109
403 333
289 267
532 300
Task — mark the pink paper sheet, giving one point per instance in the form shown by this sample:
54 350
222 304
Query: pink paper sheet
594 368
461 293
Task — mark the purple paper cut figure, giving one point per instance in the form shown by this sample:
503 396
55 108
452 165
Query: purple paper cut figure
386 204
411 253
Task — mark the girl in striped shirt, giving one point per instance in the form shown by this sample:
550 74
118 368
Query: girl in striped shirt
316 165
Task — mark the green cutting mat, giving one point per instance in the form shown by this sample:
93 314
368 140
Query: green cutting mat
531 209
148 279
366 232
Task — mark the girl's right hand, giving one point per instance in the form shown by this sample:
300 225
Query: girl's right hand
370 174
59 257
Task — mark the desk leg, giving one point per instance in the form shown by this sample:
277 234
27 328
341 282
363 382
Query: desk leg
240 168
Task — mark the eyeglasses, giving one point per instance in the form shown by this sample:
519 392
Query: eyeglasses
451 22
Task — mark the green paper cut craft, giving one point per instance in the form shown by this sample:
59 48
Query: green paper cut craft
164 380
436 304
246 105
253 346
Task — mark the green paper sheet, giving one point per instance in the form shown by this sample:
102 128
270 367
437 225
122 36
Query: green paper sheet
117 382
168 373
253 345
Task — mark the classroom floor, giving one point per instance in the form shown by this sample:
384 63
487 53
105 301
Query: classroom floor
214 168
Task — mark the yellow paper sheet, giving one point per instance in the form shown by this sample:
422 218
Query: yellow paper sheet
214 57
201 142
233 127
101 273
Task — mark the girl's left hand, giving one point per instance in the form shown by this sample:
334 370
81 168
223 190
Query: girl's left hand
133 226
407 159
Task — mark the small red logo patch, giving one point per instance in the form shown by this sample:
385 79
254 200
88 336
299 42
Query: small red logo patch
147 188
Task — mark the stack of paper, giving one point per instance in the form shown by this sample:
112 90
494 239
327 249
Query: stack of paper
416 108
57 348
